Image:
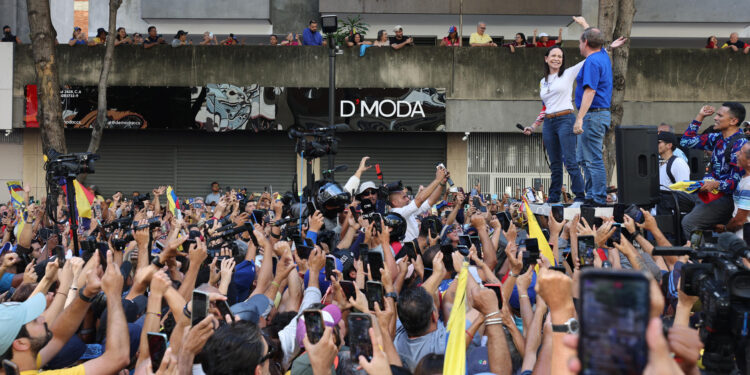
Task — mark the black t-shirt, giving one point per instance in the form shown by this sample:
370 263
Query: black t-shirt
393 40
738 44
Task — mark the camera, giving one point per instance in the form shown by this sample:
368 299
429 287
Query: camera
722 283
65 165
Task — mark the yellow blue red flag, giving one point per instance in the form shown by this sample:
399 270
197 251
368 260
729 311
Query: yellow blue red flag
455 352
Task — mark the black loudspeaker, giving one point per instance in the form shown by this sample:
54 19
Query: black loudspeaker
697 161
637 165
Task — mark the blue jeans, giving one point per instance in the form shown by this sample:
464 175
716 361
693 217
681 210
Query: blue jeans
589 155
560 142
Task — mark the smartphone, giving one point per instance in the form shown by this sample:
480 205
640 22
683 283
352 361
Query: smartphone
200 306
330 266
463 250
475 201
746 232
12 369
464 240
618 212
407 250
615 238
258 216
354 212
447 251
224 310
613 317
586 250
310 208
314 325
504 220
303 251
588 213
557 268
558 212
60 253
157 345
375 262
374 293
348 288
497 288
359 337
531 254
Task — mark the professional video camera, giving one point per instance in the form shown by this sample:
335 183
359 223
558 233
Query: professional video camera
324 141
225 238
64 165
722 284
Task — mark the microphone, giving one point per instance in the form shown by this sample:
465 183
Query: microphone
338 168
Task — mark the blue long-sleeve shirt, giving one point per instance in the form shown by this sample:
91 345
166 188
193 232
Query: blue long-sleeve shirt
310 38
728 175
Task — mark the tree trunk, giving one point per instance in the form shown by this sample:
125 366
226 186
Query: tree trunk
625 14
101 114
49 114
607 17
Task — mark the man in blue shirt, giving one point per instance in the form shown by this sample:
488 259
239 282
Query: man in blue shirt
311 36
725 173
593 97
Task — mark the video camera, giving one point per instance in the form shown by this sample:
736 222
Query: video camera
323 143
64 165
721 282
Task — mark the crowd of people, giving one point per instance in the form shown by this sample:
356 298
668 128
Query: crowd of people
734 43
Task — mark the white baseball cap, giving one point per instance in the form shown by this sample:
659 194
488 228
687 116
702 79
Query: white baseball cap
543 34
397 28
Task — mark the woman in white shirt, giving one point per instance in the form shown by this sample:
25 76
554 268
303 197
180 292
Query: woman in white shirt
558 116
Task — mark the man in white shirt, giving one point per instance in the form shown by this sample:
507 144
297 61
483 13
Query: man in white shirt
672 168
741 196
410 209
666 128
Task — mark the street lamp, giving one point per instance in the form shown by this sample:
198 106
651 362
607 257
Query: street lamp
329 25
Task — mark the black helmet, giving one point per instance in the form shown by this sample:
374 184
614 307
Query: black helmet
332 199
397 224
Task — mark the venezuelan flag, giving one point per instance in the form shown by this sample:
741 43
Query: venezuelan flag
16 193
172 201
455 352
536 232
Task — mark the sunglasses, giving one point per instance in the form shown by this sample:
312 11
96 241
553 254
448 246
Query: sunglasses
368 192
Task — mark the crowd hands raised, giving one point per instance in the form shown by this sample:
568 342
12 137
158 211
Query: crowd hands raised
230 285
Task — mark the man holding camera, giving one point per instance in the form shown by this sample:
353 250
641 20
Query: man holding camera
721 182
410 209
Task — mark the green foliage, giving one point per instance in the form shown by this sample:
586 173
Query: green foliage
348 26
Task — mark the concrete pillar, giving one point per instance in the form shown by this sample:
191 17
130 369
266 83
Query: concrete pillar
456 155
302 173
33 162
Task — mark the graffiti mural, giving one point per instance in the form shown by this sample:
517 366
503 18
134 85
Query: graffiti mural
226 107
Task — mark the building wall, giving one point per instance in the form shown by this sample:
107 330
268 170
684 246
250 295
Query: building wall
11 168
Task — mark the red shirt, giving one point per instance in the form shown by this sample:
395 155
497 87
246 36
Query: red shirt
447 42
549 43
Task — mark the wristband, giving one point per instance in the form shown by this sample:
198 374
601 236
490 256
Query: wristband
157 314
523 295
392 295
187 312
276 284
157 263
511 274
83 297
492 314
276 236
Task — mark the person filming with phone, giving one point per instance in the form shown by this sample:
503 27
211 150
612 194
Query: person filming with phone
400 203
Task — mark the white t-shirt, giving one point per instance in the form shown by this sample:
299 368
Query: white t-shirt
680 171
557 91
410 213
741 198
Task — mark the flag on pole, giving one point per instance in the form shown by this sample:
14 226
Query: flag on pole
455 351
536 232
16 193
84 198
173 202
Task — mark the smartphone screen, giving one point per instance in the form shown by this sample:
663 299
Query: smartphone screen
224 309
330 266
497 288
354 212
348 288
531 254
258 216
60 253
375 261
157 345
314 325
746 232
200 306
464 240
504 220
588 213
407 250
447 250
10 368
558 212
614 315
586 250
359 337
374 293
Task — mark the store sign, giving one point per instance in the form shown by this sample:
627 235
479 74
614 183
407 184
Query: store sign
378 108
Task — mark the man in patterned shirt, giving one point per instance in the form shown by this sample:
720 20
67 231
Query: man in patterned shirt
725 173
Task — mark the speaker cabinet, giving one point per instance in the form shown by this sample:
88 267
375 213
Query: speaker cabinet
637 165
